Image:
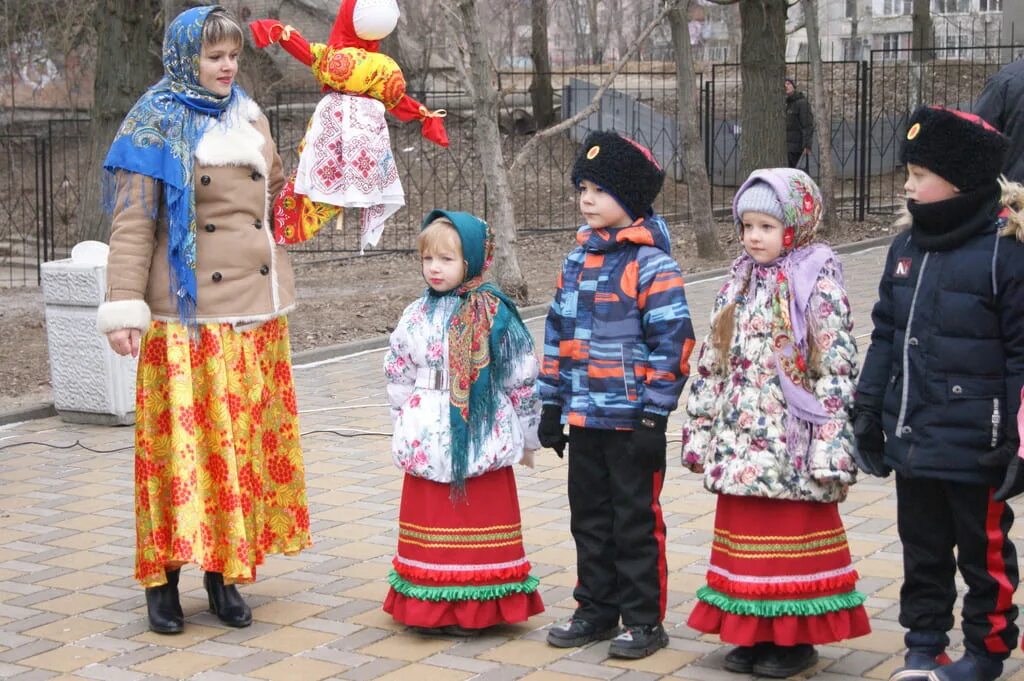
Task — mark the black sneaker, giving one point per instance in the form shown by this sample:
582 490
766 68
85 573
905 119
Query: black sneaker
576 632
784 661
918 665
638 640
968 668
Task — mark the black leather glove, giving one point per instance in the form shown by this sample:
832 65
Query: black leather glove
647 445
550 432
1005 456
869 442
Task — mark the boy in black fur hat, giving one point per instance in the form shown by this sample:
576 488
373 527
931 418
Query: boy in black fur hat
616 348
940 389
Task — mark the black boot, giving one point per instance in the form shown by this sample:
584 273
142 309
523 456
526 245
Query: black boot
225 601
164 607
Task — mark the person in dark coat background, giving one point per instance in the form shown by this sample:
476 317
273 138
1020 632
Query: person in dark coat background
799 124
1001 103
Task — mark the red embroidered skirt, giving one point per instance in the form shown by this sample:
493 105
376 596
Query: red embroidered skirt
461 562
780 572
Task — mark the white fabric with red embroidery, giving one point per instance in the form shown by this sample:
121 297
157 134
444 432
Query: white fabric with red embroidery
346 161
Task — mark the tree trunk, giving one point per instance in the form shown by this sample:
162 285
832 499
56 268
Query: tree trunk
763 70
698 188
922 38
541 93
822 109
596 49
480 82
127 62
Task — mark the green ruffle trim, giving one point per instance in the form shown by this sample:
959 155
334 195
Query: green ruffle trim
822 605
489 592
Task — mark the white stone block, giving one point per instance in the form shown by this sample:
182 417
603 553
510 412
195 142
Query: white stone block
91 383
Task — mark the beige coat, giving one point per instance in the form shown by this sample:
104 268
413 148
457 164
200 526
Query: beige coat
242 275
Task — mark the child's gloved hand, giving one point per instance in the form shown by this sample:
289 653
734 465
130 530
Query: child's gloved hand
648 444
550 432
869 442
1006 456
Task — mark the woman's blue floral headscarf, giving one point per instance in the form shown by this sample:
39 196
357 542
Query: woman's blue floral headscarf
158 139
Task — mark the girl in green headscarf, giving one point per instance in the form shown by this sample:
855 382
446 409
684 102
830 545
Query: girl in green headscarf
460 373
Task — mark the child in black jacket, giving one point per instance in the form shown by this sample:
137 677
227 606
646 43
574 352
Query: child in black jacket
940 389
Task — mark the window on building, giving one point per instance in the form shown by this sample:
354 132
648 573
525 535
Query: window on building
854 50
990 5
851 9
896 7
891 43
951 6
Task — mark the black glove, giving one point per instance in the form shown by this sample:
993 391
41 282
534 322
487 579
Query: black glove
647 445
1005 456
869 442
550 432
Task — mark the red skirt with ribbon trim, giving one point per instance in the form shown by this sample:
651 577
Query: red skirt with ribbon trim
780 572
461 562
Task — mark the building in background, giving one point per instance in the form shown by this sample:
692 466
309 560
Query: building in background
851 29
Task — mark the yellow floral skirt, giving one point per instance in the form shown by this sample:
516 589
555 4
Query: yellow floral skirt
219 477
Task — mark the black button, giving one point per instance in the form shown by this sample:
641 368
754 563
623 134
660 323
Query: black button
211 227
205 179
217 276
255 175
258 224
264 270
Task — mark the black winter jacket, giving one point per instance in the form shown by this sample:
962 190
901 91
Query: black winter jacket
1002 104
799 123
946 361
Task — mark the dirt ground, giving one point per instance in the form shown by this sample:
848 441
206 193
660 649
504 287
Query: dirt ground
341 300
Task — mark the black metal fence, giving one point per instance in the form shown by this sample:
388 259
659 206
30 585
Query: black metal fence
45 165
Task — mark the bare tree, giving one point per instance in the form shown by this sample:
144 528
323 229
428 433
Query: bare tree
477 71
595 101
128 34
762 68
688 133
922 38
822 108
541 93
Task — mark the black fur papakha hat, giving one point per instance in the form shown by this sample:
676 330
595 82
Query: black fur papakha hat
959 147
621 167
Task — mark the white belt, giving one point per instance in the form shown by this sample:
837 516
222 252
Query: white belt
432 379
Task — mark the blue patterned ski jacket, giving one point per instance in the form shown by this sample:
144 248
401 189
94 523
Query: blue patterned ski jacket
618 335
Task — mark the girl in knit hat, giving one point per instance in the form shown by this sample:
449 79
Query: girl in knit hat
769 429
460 373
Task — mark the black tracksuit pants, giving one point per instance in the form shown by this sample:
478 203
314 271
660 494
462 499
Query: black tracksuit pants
619 530
933 517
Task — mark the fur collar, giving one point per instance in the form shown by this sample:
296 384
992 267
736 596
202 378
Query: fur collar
235 142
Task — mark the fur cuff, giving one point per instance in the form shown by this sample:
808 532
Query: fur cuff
123 314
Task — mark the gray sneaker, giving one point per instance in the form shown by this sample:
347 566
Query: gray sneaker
638 640
576 632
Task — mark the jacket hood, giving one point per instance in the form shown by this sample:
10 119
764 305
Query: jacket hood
651 231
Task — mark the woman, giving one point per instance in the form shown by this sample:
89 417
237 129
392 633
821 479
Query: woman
197 289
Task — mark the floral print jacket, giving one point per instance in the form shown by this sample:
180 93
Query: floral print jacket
737 419
420 412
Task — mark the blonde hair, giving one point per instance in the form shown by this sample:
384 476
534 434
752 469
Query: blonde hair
724 326
220 26
1012 199
438 237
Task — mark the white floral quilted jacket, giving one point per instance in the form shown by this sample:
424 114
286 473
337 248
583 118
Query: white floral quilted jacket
737 420
418 355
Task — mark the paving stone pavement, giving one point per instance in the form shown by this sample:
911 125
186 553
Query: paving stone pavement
69 608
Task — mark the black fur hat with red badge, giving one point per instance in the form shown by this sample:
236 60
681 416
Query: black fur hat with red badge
959 147
621 167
